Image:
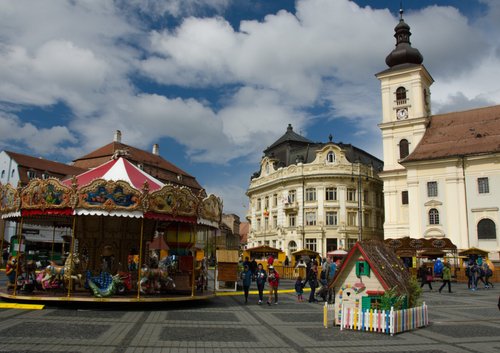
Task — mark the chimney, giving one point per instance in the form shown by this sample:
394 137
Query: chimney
156 149
118 136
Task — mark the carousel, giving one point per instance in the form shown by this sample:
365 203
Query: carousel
132 238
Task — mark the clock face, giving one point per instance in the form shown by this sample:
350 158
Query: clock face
402 114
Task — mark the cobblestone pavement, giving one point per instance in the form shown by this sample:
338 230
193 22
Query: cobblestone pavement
462 321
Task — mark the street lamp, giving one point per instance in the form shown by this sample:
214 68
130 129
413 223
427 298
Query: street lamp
360 207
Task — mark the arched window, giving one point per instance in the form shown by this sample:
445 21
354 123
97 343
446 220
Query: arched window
401 95
292 246
404 150
486 229
433 216
330 157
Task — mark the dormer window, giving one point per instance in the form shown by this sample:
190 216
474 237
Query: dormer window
31 174
267 168
330 157
401 96
45 176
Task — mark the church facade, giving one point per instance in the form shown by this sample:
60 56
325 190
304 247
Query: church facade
441 172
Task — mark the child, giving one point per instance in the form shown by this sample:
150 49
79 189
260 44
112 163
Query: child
274 280
299 289
246 277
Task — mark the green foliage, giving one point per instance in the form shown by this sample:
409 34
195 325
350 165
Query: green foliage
415 293
390 299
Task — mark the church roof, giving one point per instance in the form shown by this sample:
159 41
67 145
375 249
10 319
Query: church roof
404 53
456 134
290 136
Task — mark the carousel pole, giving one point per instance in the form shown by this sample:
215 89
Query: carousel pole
194 263
3 223
140 261
19 243
53 240
71 254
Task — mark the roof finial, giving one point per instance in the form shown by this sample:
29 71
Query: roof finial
401 10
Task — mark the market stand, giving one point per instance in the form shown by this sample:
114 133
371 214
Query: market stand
113 211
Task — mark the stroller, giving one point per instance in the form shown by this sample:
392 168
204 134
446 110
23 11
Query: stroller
322 291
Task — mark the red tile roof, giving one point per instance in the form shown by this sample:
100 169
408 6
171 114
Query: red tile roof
465 133
151 163
40 165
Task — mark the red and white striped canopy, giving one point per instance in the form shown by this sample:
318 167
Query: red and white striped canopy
118 169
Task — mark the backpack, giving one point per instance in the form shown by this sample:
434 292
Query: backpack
323 274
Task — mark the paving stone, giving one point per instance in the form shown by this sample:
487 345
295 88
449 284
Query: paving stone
467 329
104 314
203 316
302 317
55 330
206 334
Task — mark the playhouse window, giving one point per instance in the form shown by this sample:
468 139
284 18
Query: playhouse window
370 302
362 268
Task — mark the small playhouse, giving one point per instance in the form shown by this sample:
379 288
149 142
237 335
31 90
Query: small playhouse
369 271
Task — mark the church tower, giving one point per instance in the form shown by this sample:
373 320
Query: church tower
405 87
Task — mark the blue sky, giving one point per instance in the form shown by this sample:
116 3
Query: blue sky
215 82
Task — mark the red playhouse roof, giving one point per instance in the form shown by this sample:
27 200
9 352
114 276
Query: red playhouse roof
118 169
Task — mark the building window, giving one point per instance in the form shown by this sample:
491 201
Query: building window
483 185
366 197
351 194
351 218
310 218
12 173
486 229
275 222
404 197
404 149
291 220
3 173
266 223
292 246
351 243
331 218
45 176
257 225
311 244
291 196
311 194
366 219
331 194
31 174
266 202
275 200
433 216
330 157
432 189
400 95
258 204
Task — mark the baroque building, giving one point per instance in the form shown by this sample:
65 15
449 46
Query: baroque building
441 172
317 196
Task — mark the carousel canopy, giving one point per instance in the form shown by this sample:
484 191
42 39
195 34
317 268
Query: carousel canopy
118 169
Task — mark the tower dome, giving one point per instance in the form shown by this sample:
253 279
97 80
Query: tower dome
404 53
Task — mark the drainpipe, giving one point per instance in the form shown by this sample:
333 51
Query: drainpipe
466 204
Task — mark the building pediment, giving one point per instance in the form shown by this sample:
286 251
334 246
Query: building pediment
433 203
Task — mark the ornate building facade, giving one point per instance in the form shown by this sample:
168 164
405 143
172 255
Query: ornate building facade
317 196
441 172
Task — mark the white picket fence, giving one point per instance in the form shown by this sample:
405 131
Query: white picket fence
383 321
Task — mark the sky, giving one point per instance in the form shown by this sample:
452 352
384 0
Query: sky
214 82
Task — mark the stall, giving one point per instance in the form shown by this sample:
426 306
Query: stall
119 218
262 253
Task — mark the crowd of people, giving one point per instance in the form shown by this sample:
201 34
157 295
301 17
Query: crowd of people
254 272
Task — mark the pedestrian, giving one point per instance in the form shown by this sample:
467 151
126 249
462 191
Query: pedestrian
487 275
480 273
260 278
299 289
253 266
425 276
446 271
274 280
474 275
468 272
246 262
246 277
270 260
332 269
287 261
312 279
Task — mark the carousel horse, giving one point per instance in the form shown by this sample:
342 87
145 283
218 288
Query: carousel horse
55 275
11 271
157 279
103 282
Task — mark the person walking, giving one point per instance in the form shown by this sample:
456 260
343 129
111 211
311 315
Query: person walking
246 277
299 289
260 278
446 271
425 276
312 279
332 269
274 280
487 275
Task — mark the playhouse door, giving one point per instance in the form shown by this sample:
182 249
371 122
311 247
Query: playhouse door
349 300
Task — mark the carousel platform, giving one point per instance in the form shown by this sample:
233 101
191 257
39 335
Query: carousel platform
85 296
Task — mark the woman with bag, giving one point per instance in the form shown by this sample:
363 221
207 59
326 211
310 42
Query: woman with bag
425 276
312 279
260 278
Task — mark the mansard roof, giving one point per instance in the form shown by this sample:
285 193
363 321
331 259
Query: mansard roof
465 133
289 137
